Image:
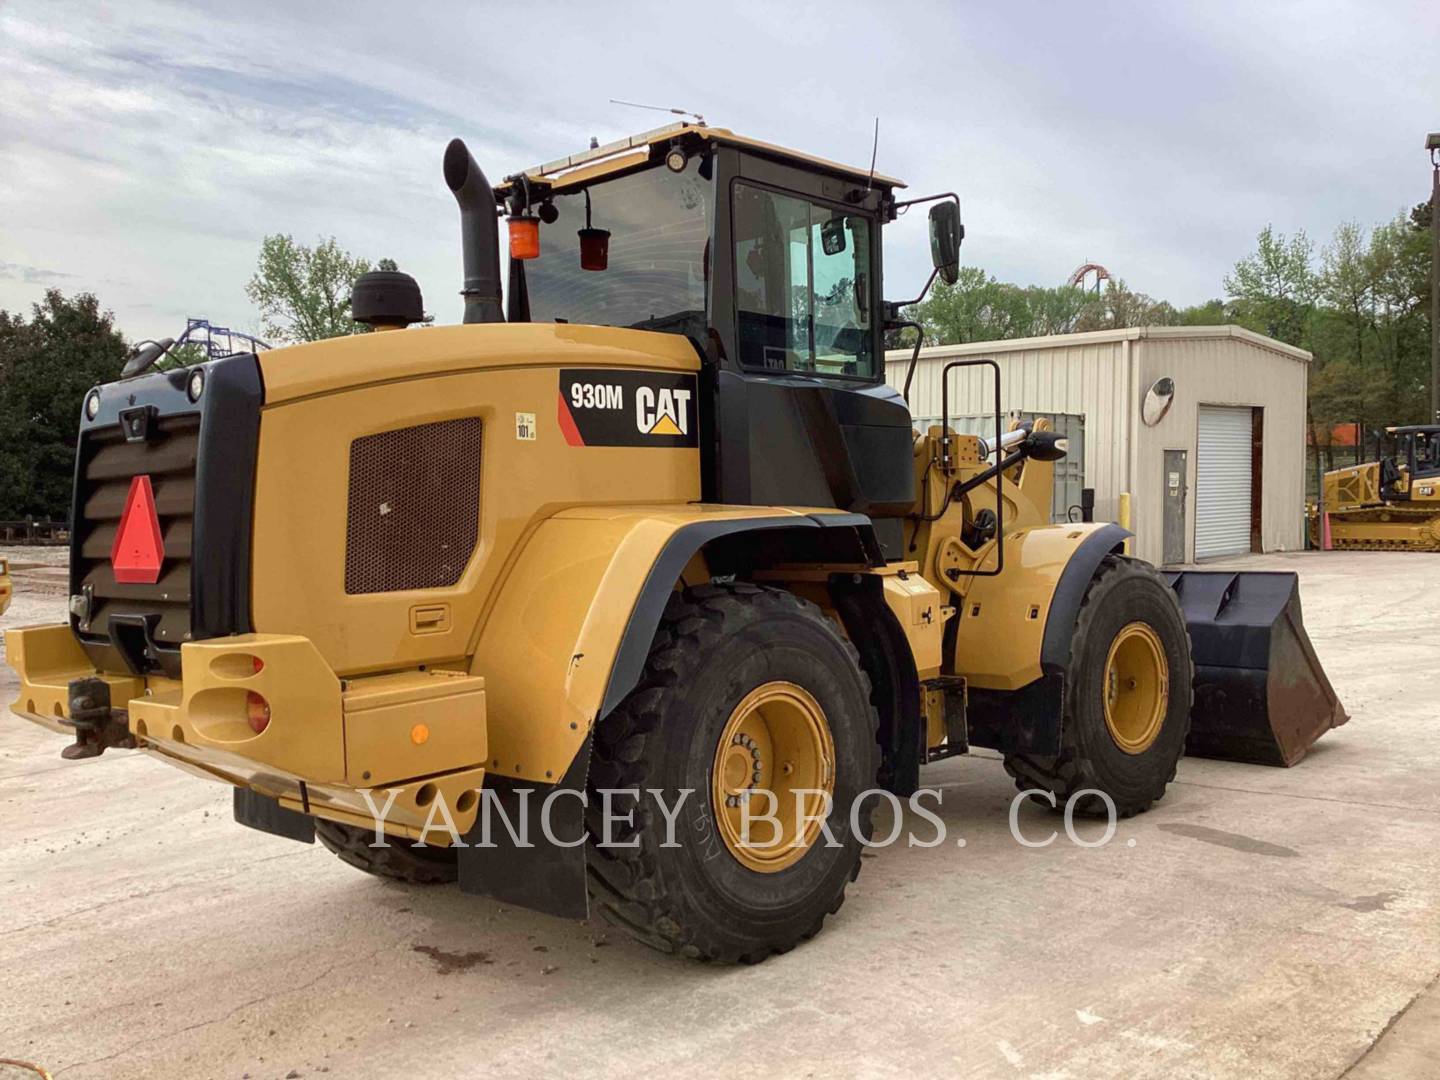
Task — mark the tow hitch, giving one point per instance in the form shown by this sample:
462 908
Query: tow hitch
98 727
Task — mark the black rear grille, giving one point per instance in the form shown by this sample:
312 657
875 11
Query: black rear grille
200 457
107 465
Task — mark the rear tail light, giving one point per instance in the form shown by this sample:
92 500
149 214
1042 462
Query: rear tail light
257 712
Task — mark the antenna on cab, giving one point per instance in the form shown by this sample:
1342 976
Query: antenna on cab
661 108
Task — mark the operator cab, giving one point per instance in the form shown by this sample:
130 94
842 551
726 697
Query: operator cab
770 263
1416 457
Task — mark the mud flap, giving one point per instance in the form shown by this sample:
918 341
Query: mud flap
513 860
267 815
1261 695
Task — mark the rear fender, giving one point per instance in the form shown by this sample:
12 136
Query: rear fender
569 633
567 640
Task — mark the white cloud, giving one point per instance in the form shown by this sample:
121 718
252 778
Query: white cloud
145 148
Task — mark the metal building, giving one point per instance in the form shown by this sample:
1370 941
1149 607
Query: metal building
1203 426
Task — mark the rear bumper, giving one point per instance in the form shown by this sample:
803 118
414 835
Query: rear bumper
329 744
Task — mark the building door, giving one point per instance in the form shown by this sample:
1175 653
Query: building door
1222 481
1173 502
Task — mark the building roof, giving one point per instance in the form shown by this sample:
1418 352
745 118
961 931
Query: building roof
1095 337
634 150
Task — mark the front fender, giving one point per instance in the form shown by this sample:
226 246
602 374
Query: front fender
568 634
1013 642
1016 625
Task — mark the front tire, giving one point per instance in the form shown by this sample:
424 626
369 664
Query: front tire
745 688
1128 697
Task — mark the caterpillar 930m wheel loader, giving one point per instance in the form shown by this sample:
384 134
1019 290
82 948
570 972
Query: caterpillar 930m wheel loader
1388 505
658 527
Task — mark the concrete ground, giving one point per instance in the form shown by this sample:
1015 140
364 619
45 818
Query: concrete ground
1256 923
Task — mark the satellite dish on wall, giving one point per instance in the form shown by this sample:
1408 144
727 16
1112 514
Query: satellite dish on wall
1158 400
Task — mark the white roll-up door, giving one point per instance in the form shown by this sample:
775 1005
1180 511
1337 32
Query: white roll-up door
1222 488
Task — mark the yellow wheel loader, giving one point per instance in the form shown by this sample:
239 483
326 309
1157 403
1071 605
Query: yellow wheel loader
637 591
1392 504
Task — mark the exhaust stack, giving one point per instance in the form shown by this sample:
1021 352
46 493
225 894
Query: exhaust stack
479 234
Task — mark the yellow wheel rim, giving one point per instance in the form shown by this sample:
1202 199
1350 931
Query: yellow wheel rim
776 741
1136 687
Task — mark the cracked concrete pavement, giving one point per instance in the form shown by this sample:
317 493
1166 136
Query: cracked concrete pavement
1256 923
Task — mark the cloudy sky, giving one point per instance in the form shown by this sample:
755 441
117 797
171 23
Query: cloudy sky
145 148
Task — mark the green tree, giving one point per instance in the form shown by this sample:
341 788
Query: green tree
46 366
1399 263
1119 307
980 308
303 293
1273 289
1344 318
1210 313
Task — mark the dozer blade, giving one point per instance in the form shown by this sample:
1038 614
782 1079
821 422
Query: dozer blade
1261 695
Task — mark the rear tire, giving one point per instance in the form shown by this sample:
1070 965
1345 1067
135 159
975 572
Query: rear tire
401 860
716 649
1131 629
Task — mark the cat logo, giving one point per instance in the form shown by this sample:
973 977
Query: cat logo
624 407
662 411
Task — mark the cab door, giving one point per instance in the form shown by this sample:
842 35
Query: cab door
802 411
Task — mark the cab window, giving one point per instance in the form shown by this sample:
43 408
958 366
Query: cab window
802 280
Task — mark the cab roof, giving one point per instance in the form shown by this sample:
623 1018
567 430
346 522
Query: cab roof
629 152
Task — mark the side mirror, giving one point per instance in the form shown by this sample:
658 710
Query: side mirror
946 232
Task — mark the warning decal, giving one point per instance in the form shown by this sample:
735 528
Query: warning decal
605 407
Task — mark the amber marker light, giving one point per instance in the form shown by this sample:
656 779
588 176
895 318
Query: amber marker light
524 237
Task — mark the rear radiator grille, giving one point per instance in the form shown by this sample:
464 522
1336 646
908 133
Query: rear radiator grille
108 464
414 510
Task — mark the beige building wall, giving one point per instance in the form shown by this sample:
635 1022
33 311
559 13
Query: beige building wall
1104 376
1227 371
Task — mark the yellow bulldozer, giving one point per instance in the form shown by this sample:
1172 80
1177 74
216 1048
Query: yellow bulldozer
1392 504
636 592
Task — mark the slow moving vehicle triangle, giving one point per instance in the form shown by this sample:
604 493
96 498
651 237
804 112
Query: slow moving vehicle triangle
139 548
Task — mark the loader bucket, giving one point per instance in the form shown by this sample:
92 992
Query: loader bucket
1261 695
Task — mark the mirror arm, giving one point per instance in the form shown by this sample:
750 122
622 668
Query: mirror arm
894 306
928 198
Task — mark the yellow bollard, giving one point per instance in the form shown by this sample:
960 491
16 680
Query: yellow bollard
1125 516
